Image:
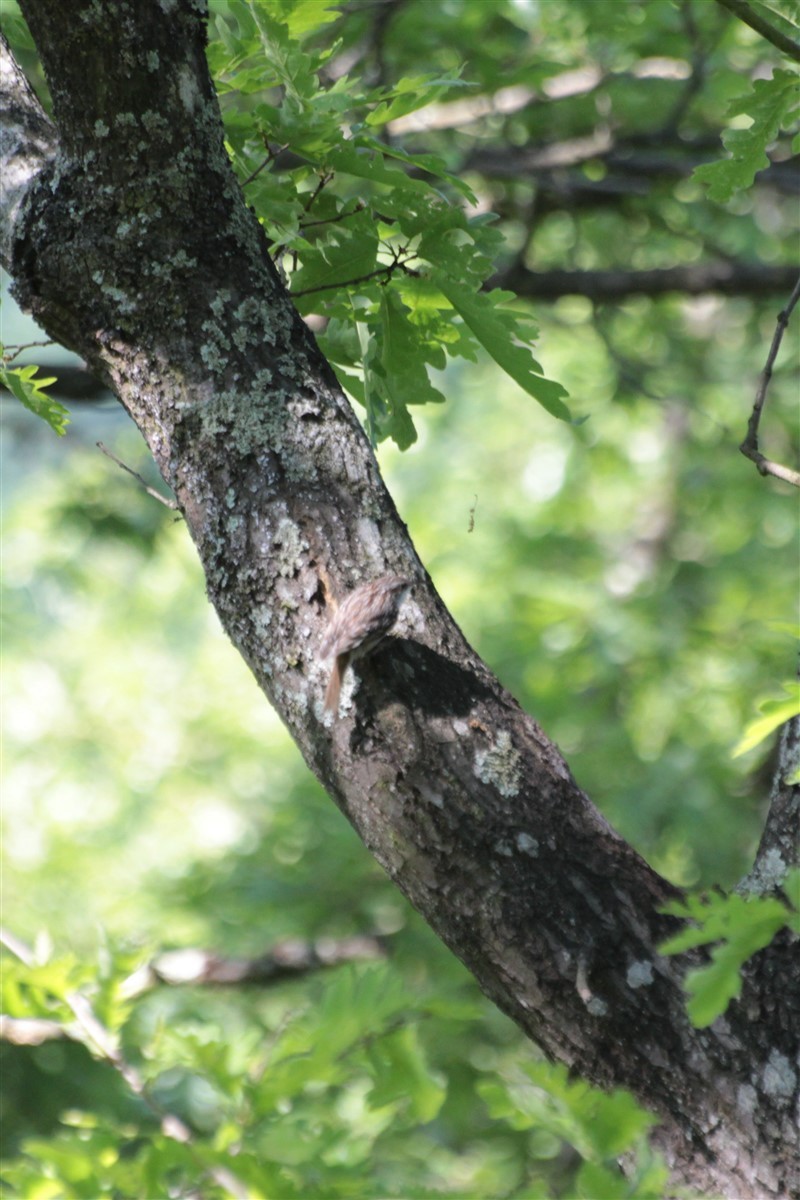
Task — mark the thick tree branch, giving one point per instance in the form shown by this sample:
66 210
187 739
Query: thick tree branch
746 13
27 144
780 846
141 254
724 278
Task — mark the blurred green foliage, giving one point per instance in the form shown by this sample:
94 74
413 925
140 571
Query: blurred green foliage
629 579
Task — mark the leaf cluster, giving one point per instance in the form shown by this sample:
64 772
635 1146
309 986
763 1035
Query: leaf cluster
737 926
334 1094
601 1126
770 106
22 382
377 244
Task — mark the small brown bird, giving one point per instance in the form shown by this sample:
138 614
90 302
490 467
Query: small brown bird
362 620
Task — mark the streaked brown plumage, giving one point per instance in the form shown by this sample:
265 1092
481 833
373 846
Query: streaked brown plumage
363 618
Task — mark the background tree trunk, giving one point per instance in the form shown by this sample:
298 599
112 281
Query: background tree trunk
134 248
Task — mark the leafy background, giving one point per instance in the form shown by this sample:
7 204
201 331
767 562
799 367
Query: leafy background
630 579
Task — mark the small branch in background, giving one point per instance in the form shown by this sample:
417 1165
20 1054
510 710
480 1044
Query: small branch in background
699 55
286 960
749 446
384 15
746 13
167 501
12 352
30 1031
693 279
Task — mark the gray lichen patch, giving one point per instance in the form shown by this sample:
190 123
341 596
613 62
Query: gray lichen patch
262 619
527 844
779 1077
290 547
639 974
769 873
500 765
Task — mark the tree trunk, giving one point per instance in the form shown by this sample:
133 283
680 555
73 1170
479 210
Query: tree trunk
132 245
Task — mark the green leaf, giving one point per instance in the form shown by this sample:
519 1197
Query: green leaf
21 383
424 162
402 1075
774 713
403 352
741 925
542 1096
387 412
409 94
598 1182
304 17
345 256
364 162
772 105
498 330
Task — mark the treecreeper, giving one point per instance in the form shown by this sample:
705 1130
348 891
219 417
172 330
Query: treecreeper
361 621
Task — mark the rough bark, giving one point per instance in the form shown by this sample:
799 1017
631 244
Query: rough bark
134 248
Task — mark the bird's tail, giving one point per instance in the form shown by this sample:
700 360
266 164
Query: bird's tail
335 683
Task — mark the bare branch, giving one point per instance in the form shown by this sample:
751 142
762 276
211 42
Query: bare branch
749 446
725 278
286 960
12 352
31 1031
634 166
167 501
746 13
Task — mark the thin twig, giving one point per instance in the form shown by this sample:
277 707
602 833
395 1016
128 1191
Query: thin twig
167 501
387 270
324 179
360 206
742 10
254 174
471 526
271 154
749 446
8 358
